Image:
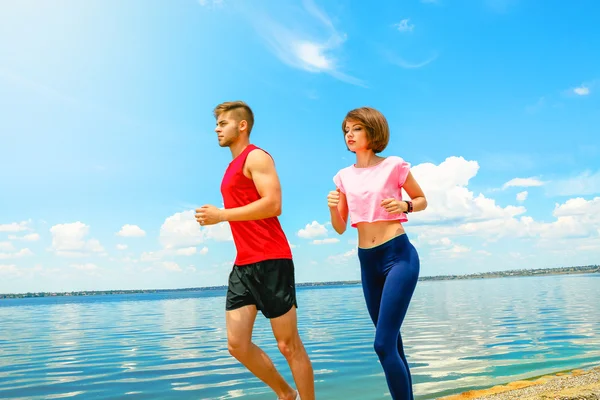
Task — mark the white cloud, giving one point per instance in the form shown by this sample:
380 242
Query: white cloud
15 226
32 237
578 207
444 241
325 241
69 240
576 219
405 25
401 62
312 230
9 269
131 231
151 256
171 266
343 257
182 230
89 267
587 183
187 251
595 246
191 269
180 237
220 232
581 91
523 182
18 254
6 246
522 196
304 47
121 247
457 249
584 89
565 227
313 55
443 246
448 198
453 211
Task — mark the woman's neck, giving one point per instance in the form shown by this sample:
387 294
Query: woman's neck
366 159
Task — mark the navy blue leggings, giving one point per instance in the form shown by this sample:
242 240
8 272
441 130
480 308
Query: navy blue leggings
389 275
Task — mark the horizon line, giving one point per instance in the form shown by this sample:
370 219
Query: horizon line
595 268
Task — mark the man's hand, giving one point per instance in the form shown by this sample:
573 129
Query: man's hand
209 215
394 206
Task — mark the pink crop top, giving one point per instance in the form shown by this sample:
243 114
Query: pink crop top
365 188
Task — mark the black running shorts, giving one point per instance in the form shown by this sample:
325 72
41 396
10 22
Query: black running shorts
268 284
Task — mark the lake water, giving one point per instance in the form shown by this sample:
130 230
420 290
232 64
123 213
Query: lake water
458 335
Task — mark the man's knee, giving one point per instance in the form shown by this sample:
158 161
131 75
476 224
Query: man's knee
289 346
238 347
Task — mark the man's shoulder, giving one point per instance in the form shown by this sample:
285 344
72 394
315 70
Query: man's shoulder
258 155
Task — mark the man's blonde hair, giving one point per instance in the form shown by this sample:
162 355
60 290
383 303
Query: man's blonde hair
240 112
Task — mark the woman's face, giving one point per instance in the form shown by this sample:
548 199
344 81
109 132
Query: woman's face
356 136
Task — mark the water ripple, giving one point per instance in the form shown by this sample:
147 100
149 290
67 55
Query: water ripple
458 335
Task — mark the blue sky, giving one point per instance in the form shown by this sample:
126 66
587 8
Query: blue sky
107 142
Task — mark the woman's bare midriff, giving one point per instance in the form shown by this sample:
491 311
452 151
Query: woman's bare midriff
375 233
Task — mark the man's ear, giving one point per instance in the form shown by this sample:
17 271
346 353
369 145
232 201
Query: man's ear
243 125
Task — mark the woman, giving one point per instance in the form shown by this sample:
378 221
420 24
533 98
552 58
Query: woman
369 191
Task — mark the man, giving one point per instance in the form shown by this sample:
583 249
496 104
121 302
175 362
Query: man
262 277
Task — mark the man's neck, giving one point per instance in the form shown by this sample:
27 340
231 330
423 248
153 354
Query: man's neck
237 147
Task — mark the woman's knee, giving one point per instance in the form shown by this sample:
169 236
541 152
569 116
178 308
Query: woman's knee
379 348
384 345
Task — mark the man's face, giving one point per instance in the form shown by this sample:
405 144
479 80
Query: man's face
227 129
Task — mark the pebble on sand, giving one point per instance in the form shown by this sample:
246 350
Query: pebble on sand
576 385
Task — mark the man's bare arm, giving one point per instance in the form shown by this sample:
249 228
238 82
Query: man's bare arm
263 173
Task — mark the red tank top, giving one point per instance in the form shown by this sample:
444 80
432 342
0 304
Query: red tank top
257 240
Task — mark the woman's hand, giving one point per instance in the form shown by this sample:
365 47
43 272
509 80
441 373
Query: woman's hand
394 206
333 198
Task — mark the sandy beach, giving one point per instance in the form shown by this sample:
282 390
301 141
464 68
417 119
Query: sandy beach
577 384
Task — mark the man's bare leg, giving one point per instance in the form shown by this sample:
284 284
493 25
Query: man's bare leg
285 329
240 323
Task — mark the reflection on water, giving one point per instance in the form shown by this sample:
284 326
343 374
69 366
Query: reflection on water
458 335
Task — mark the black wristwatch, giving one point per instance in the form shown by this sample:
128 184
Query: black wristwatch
410 206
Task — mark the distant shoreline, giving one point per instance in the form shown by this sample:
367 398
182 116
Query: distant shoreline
588 269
